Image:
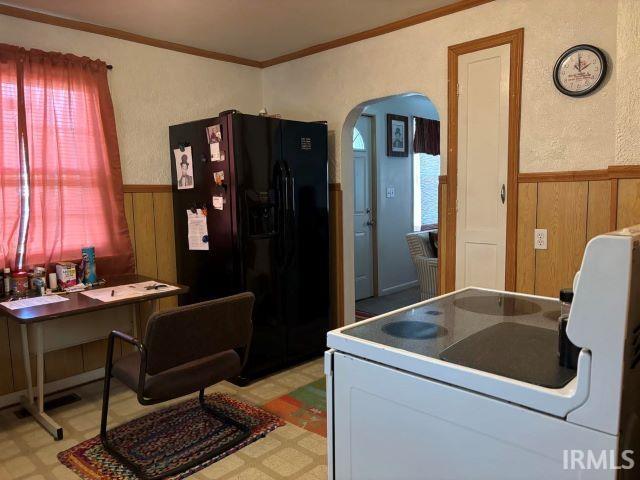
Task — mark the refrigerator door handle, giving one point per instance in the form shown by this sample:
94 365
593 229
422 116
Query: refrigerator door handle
279 180
290 215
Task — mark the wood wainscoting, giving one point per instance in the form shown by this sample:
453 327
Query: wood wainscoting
336 256
574 207
149 212
442 233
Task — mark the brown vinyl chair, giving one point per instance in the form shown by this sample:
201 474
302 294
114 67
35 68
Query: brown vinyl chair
185 350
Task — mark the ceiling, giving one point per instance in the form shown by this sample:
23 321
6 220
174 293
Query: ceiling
253 29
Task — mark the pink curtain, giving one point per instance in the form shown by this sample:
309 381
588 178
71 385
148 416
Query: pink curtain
75 181
9 158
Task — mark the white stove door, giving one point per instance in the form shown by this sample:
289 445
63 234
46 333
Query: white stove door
391 425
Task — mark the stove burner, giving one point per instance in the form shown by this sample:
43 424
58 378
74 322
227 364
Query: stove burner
500 305
414 329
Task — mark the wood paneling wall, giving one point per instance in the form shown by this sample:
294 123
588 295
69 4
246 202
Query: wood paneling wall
442 229
573 209
149 214
336 256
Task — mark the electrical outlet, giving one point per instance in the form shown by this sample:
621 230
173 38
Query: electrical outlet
540 239
391 192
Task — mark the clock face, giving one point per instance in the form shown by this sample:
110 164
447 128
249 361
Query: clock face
580 70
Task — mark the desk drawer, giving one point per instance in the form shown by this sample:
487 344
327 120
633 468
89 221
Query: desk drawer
87 327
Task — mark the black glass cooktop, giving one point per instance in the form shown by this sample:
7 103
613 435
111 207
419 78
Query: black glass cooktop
479 329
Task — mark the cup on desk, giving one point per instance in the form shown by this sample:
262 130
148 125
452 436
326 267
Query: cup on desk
53 281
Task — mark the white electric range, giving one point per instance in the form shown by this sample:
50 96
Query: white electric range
467 385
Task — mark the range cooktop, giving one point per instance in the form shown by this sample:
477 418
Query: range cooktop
496 332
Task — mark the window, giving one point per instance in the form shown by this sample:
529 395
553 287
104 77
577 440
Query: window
358 141
64 192
426 173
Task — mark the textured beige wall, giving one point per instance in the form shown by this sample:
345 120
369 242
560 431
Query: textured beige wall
151 88
558 132
627 91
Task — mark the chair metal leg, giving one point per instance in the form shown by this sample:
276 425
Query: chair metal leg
246 432
218 414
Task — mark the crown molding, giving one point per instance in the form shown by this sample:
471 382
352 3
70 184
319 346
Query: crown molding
374 32
177 47
122 35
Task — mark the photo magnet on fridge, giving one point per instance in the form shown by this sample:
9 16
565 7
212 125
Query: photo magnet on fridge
218 202
215 152
184 168
214 134
218 177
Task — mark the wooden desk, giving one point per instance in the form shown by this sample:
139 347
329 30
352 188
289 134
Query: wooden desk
59 325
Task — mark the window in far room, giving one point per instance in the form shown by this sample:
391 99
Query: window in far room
358 141
426 171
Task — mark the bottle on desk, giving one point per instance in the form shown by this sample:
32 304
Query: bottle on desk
7 280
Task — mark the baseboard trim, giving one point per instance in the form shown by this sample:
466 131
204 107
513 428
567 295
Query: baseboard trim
12 399
398 288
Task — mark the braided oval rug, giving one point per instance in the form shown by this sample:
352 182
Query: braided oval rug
168 438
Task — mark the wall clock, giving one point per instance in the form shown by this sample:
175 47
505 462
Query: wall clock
580 70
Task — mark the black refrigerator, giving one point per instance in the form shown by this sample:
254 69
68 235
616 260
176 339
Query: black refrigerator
271 236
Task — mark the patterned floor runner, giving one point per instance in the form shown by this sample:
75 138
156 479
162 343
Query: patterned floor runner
305 407
168 438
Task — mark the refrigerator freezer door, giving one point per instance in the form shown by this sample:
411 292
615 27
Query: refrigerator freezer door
306 274
255 156
208 273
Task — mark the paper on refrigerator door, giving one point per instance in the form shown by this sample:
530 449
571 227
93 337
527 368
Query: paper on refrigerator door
215 152
197 230
218 202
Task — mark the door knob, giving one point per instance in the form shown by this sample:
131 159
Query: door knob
371 223
503 194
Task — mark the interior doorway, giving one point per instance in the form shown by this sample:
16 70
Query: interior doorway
364 211
395 204
485 77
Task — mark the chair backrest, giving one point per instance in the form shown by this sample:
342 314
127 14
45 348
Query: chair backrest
184 334
420 245
433 241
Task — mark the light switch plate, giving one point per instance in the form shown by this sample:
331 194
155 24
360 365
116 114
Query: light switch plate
540 239
391 192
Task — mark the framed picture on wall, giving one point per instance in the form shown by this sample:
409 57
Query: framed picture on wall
397 135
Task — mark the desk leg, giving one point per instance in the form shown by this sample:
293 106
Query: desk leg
134 316
26 360
37 411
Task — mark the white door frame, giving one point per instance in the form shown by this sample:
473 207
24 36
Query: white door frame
371 149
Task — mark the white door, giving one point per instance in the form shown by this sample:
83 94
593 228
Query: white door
483 136
363 221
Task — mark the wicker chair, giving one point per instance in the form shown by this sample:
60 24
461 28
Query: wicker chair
424 253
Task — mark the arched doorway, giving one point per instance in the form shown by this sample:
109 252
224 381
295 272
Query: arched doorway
389 191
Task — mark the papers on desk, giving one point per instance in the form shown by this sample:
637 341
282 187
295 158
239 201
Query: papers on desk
33 302
126 292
